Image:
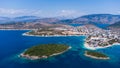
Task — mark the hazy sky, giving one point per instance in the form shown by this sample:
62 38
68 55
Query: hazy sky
51 8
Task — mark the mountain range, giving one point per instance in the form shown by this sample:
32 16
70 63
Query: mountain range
98 18
33 22
93 18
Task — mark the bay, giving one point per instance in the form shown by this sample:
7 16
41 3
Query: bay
12 43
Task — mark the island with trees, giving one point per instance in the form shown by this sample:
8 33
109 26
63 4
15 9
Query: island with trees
96 55
44 51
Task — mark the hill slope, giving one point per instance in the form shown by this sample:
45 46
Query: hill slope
98 18
115 25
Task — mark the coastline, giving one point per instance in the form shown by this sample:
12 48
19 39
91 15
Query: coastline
85 44
16 29
43 57
98 47
25 34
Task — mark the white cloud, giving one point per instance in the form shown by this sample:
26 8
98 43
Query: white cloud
70 13
38 12
118 12
19 12
67 12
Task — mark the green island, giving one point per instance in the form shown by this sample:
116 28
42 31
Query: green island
44 51
96 55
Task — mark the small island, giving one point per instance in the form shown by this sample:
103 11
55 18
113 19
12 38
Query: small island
96 55
44 51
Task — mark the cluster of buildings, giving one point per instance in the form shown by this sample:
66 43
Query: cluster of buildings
101 38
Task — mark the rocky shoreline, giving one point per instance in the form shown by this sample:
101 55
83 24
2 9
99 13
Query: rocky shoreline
16 29
95 57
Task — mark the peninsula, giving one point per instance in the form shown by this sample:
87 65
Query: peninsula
44 51
56 31
95 37
100 38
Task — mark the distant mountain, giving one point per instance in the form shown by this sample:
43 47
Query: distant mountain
97 18
31 25
18 19
26 17
47 20
86 19
66 21
92 19
4 19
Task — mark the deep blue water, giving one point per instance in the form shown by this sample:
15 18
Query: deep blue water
12 43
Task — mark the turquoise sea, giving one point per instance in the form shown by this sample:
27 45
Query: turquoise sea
12 43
